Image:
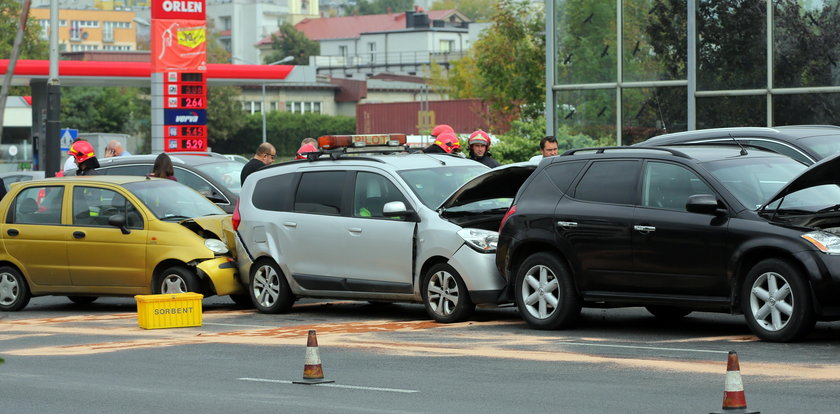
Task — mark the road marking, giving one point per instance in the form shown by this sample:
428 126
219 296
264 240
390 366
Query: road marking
352 387
652 348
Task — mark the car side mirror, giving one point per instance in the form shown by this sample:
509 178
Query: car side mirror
118 220
702 204
397 209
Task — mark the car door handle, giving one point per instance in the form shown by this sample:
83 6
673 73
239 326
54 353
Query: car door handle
290 224
567 224
355 229
644 229
12 232
79 234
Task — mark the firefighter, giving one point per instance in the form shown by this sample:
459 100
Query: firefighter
479 149
446 143
84 157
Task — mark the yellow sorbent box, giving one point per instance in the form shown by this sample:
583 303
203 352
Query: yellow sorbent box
173 310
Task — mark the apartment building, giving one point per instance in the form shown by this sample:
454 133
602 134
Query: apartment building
82 30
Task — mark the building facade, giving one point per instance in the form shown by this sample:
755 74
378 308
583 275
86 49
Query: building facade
82 30
243 23
628 70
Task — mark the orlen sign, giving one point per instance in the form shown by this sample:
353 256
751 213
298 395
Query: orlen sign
179 9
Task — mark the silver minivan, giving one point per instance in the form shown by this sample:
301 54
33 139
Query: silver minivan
383 228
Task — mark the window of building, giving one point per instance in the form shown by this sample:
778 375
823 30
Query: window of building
342 51
224 23
116 48
252 107
45 28
303 107
446 46
83 48
108 31
372 50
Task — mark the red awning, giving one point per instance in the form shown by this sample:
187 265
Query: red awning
98 73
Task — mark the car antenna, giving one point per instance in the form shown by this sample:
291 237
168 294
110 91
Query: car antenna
743 150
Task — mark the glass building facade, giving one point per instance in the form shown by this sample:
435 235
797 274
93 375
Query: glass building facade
627 70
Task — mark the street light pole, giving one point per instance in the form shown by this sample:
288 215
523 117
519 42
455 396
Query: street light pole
262 106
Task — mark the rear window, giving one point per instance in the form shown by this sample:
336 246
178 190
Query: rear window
612 181
272 193
562 174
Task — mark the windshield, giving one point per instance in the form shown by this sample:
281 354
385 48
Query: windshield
225 172
434 185
754 180
169 200
824 145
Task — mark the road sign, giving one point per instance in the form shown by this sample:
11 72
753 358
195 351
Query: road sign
67 137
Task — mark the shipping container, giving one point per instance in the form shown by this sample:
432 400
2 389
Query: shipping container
418 118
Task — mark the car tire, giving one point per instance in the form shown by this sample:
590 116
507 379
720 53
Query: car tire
668 313
776 301
83 300
269 289
242 300
177 279
542 279
14 291
445 294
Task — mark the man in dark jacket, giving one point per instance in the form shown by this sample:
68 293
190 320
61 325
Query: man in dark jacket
265 155
480 149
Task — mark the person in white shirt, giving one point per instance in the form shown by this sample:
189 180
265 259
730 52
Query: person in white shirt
548 148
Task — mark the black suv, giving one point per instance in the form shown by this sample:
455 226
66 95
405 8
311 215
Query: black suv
677 229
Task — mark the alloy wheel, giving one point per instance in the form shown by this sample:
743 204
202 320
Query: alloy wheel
540 291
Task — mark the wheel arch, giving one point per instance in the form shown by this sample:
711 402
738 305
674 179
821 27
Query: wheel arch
206 284
746 261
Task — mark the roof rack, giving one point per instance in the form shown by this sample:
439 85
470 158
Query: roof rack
601 150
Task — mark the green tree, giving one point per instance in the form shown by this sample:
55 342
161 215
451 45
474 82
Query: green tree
522 141
506 66
91 109
291 42
33 47
285 130
476 10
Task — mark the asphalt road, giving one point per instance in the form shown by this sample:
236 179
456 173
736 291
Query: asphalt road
66 358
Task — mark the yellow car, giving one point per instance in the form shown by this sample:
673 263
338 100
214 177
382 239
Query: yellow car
92 236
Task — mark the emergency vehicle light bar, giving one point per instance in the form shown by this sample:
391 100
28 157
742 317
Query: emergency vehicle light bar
357 141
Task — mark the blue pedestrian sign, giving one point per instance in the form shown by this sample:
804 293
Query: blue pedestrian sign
67 137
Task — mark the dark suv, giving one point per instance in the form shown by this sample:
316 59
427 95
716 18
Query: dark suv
677 229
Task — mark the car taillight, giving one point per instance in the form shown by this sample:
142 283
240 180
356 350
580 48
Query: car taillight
236 218
510 211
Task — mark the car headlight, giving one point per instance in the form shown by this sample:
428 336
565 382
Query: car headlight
483 241
826 242
216 245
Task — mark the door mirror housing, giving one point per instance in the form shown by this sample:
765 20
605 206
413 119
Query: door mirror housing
702 204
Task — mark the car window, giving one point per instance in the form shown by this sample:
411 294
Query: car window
37 205
609 182
169 200
824 145
433 185
669 186
197 183
372 192
781 149
272 193
754 180
136 170
93 206
562 174
226 173
320 192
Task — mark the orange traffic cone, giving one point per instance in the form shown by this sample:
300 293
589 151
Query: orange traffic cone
312 371
734 401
